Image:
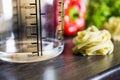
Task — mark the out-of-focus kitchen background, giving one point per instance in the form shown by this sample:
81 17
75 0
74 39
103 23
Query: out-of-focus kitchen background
81 14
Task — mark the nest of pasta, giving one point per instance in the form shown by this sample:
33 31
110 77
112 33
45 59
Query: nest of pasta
93 42
113 26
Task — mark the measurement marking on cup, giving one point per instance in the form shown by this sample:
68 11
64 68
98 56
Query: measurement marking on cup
33 24
34 52
34 43
33 14
32 3
33 34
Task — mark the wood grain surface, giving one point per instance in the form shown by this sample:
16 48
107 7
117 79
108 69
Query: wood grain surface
63 67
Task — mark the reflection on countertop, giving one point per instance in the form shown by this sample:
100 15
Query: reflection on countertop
63 67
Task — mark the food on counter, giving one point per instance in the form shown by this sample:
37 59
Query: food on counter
74 12
100 11
113 26
93 42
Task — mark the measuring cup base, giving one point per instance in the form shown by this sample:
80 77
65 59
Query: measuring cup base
30 57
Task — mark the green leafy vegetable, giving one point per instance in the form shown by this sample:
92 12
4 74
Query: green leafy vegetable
100 11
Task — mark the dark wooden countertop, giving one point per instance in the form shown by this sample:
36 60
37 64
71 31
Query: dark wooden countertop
63 67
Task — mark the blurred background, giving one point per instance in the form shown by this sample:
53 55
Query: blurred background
81 14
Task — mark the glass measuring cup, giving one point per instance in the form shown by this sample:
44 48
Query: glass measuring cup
30 30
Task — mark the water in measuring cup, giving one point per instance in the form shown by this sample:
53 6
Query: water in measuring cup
32 32
50 49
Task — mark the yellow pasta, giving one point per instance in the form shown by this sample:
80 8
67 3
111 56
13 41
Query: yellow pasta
113 26
93 42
